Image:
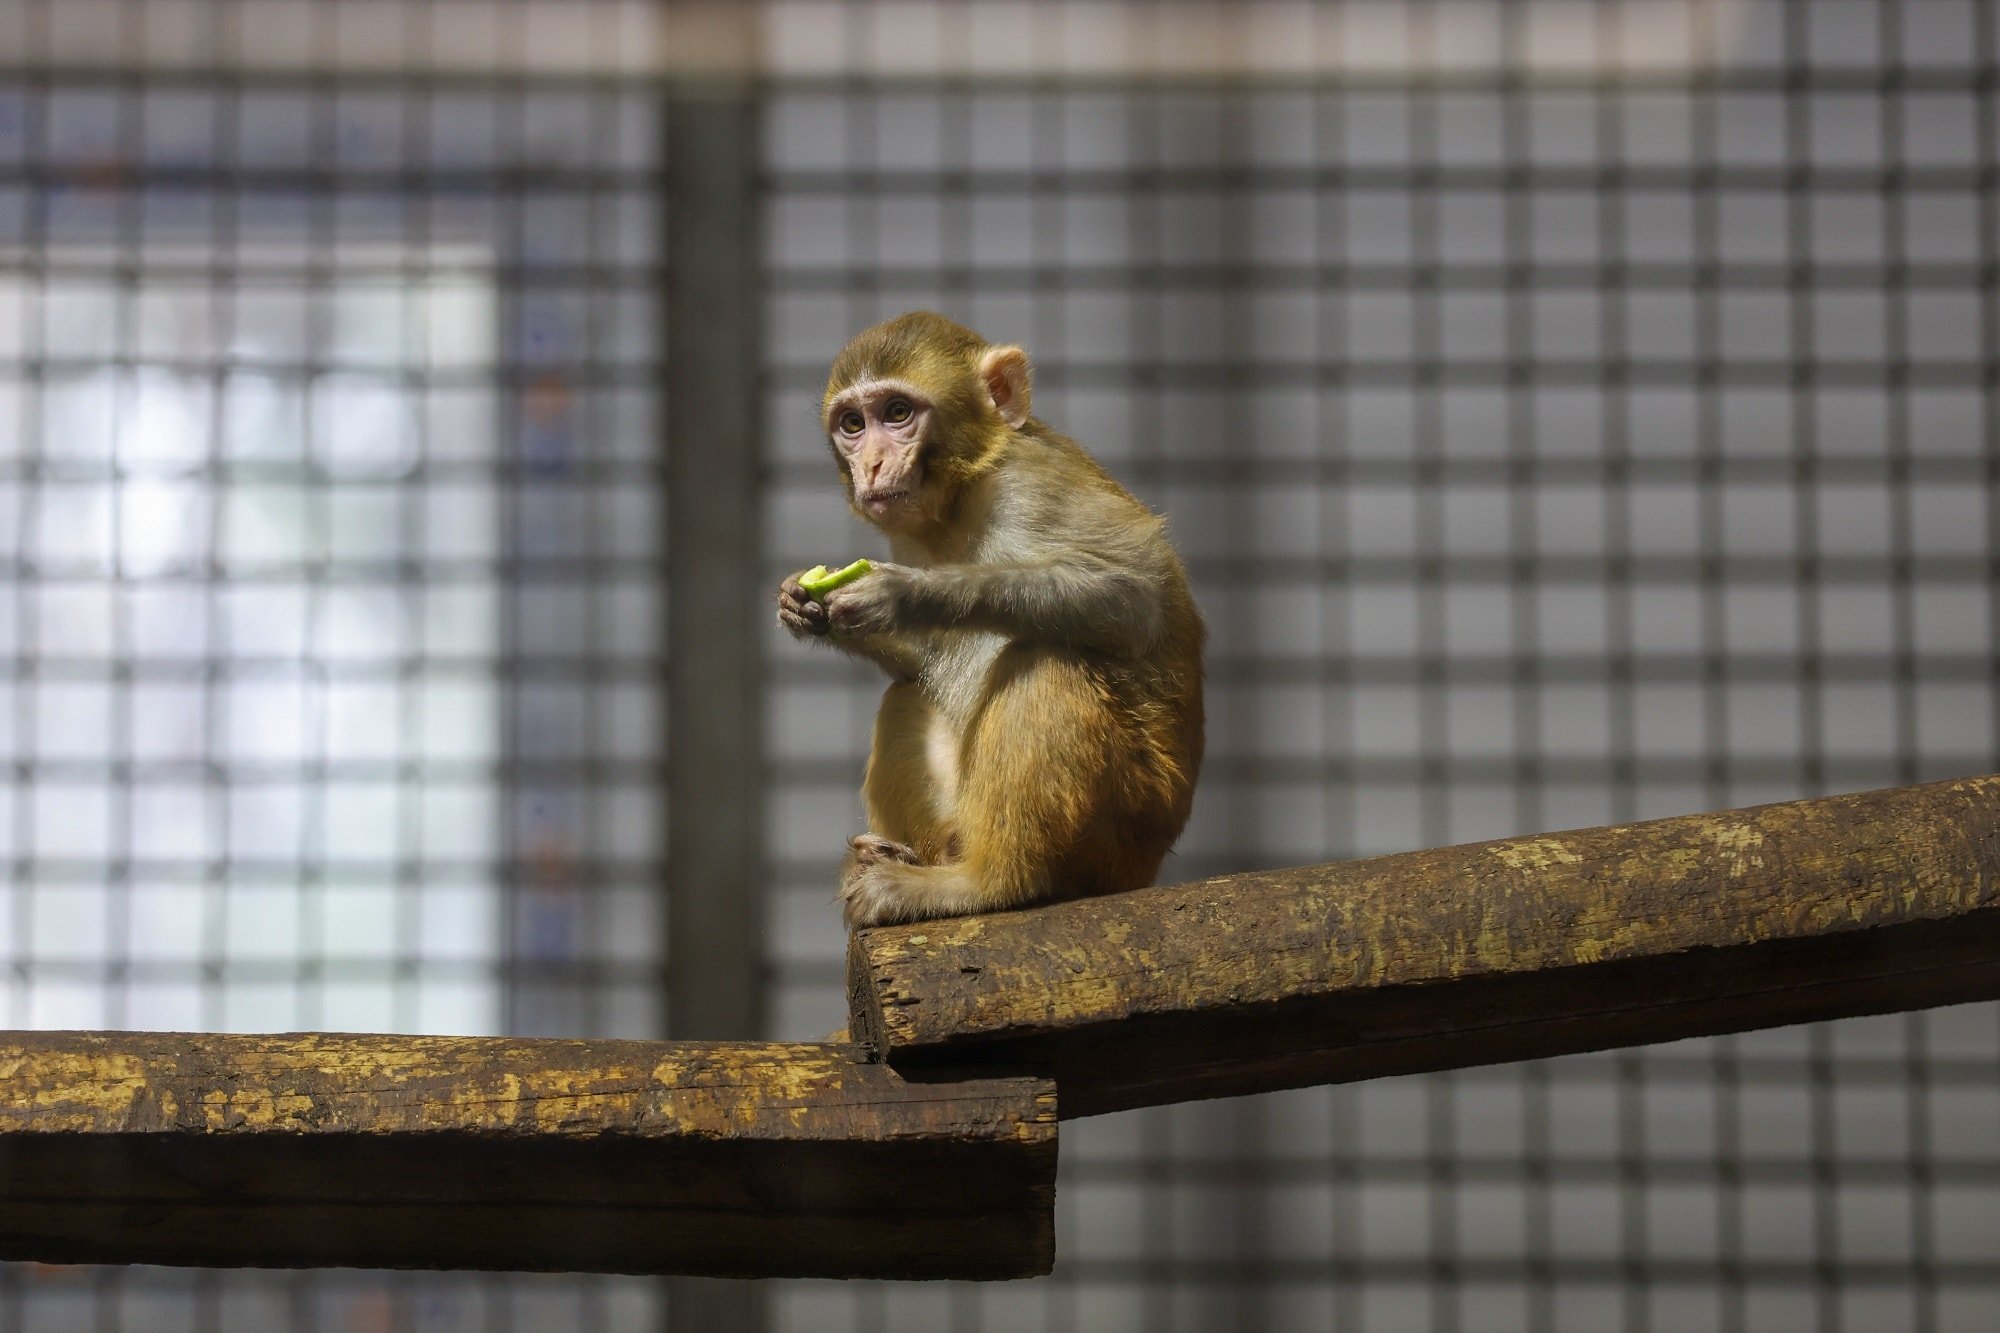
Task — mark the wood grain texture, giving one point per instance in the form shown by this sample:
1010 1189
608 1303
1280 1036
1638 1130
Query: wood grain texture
1492 952
719 1159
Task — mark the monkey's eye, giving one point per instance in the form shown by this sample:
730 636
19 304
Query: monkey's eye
851 423
897 412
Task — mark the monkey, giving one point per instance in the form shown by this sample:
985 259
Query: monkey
1042 728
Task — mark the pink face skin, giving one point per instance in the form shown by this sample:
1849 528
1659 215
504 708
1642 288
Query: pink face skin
878 426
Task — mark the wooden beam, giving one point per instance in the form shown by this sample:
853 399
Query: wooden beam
745 1160
718 605
1498 951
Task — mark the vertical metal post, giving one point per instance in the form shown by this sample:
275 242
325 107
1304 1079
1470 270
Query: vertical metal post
717 603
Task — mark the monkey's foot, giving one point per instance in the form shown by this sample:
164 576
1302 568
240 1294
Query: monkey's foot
869 895
870 848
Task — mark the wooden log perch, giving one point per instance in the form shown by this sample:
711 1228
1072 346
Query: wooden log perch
446 1152
1493 952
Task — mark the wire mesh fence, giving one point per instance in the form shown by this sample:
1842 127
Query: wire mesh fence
1552 441
1549 448
329 481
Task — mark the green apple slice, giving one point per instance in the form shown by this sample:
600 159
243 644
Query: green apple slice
818 581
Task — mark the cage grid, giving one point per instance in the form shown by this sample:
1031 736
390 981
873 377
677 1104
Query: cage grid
1548 450
332 492
1550 447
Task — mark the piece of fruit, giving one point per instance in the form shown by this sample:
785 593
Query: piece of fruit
818 581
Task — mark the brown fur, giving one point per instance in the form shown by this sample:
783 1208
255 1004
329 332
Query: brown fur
1043 734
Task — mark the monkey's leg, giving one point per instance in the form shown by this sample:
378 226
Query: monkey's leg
908 799
1034 809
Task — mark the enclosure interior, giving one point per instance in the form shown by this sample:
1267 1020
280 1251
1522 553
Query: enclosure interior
1570 414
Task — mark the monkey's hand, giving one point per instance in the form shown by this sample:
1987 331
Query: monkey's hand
799 612
882 603
809 619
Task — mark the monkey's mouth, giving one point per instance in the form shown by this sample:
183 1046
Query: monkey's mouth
881 502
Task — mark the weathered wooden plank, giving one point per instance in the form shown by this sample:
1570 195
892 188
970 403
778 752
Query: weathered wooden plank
1492 952
720 1159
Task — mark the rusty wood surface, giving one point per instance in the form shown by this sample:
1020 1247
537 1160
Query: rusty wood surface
721 1159
1480 954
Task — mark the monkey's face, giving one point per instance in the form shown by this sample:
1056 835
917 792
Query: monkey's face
878 428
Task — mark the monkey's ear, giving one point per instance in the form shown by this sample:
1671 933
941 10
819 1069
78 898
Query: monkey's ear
1006 374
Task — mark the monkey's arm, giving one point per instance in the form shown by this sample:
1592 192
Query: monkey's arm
807 618
1084 600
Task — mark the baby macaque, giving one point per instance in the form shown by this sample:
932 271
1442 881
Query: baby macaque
1042 729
